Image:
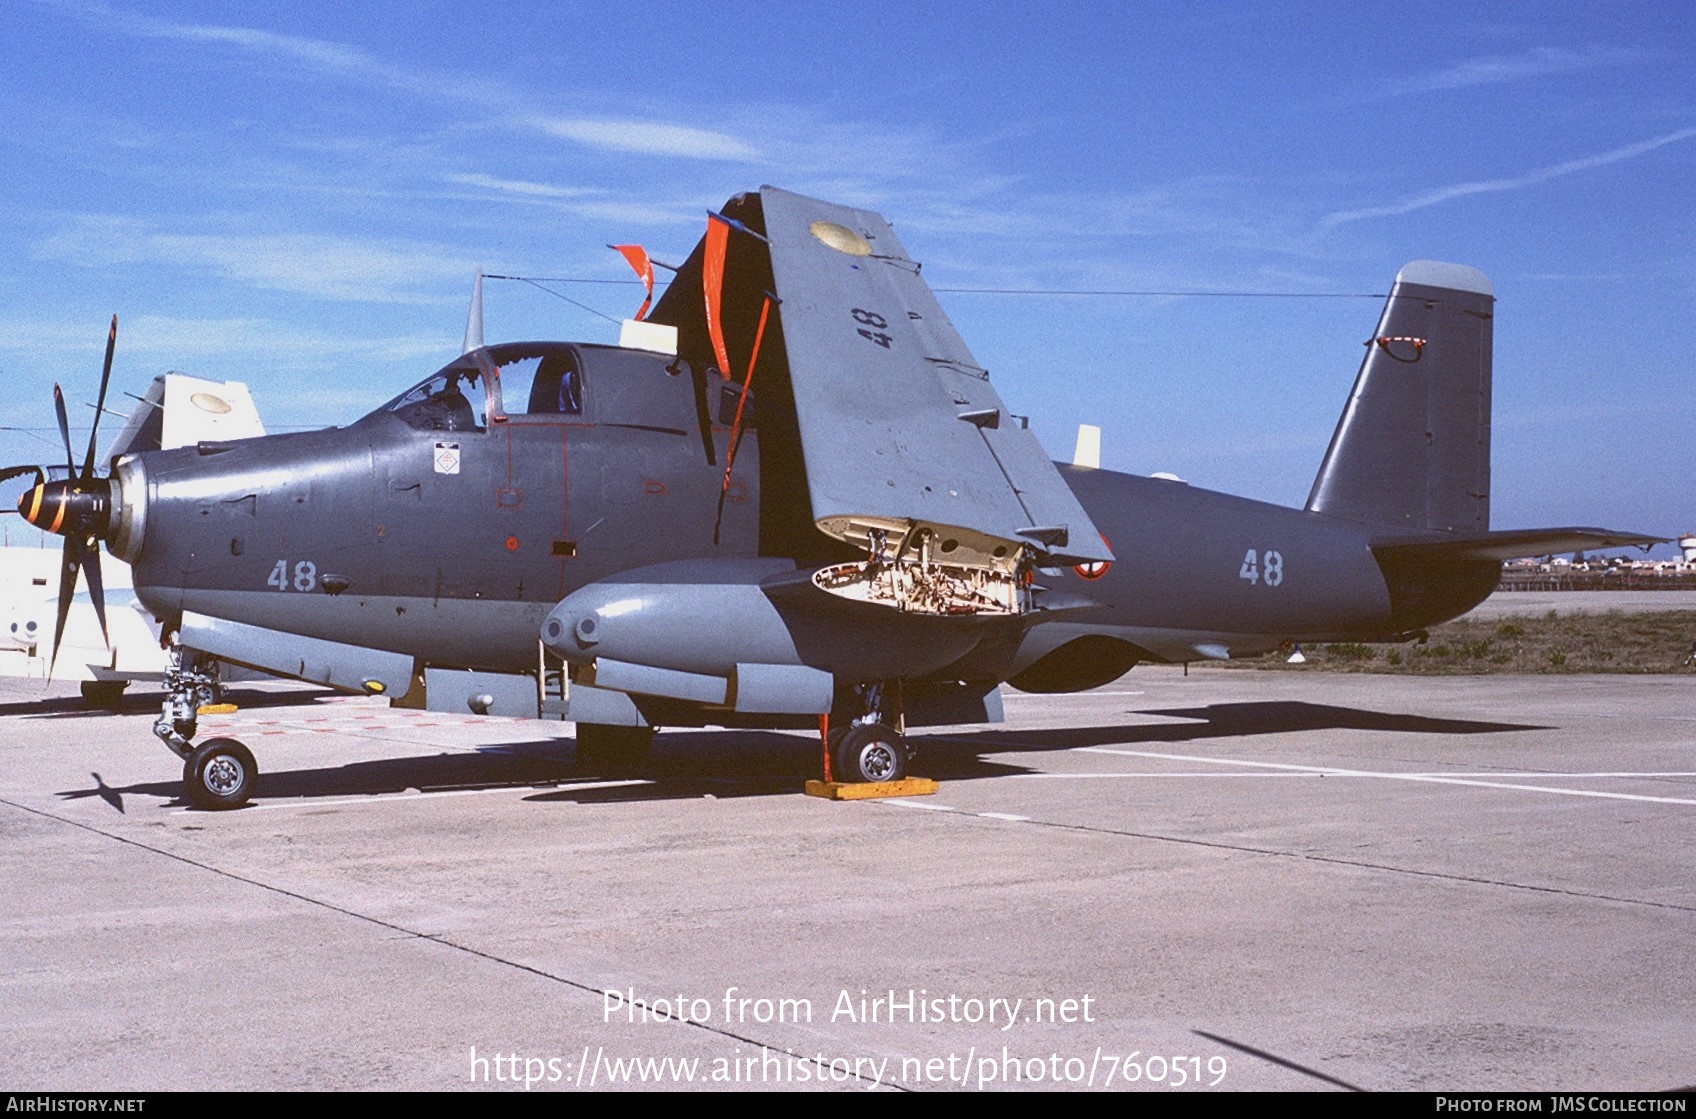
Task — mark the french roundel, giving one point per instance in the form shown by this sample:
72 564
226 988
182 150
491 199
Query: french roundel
1096 569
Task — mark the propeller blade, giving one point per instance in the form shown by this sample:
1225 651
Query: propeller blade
16 471
100 404
67 589
64 430
89 561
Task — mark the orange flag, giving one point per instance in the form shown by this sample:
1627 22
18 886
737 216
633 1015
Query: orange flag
712 285
637 256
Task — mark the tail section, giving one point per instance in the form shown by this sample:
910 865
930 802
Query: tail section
220 410
1412 449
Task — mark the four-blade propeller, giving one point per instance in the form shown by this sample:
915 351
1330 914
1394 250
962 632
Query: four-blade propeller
79 508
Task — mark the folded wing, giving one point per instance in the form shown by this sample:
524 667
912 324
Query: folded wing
901 431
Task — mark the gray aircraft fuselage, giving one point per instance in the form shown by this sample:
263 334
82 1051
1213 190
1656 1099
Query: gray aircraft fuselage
451 540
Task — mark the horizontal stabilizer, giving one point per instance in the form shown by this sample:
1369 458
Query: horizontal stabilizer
1505 544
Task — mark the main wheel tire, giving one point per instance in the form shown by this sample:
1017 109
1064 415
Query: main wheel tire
612 750
833 747
103 693
220 774
870 752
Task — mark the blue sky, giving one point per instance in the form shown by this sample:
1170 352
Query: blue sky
298 197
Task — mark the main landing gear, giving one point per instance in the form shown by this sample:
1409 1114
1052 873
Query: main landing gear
871 749
220 772
868 752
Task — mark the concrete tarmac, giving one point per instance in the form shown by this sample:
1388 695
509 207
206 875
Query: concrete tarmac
1226 880
1509 603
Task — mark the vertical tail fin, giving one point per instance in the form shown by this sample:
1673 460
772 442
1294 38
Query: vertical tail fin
1413 446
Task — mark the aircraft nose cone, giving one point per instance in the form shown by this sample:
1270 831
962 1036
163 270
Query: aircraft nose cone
65 508
30 504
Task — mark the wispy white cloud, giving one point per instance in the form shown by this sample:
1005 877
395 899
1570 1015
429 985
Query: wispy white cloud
647 138
628 212
584 202
311 52
809 149
318 55
1503 69
520 187
186 339
1495 186
328 266
244 338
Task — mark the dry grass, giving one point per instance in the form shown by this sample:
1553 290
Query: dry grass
1554 643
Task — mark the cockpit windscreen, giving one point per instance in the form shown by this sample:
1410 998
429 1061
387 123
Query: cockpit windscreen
510 379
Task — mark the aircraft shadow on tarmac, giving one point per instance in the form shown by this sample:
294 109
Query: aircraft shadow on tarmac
75 707
1237 720
728 764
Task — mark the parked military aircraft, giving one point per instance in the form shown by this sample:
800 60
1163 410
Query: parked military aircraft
794 499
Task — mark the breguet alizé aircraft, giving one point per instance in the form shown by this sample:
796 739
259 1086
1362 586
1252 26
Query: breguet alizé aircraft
795 499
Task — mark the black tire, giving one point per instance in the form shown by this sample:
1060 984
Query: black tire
220 774
612 750
870 752
833 746
103 693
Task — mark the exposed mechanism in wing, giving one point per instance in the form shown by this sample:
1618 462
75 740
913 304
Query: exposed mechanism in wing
920 574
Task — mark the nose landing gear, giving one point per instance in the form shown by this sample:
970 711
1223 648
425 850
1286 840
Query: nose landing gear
219 773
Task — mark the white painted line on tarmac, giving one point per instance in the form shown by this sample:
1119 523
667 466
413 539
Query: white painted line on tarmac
1008 816
1329 771
1211 775
903 803
1560 776
1320 772
1640 715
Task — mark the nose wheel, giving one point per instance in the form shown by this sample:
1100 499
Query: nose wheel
219 774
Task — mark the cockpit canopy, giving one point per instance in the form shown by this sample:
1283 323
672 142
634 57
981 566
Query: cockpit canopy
510 379
572 382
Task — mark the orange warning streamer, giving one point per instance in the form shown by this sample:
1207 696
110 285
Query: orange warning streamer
712 284
742 401
637 257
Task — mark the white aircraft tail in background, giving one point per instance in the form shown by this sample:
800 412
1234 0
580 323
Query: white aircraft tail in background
176 411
